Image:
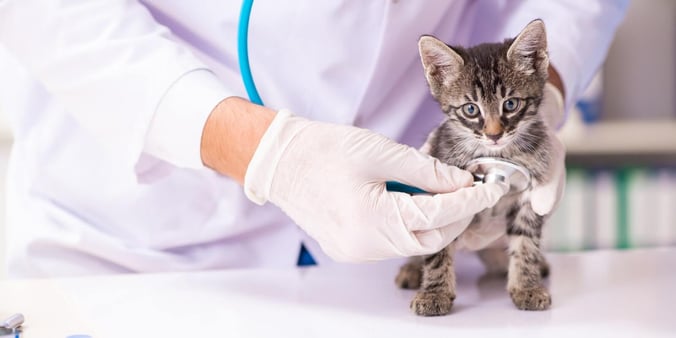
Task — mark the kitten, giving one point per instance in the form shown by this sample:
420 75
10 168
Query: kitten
490 94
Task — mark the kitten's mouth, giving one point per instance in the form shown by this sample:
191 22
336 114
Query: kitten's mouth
495 145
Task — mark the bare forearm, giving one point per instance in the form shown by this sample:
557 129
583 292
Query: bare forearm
231 135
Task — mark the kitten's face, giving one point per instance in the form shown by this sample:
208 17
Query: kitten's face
490 92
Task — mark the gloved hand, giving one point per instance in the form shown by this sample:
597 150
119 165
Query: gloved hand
545 197
330 180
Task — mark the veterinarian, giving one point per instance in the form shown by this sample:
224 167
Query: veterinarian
135 152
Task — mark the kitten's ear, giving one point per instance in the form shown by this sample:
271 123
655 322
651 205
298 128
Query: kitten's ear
528 51
442 64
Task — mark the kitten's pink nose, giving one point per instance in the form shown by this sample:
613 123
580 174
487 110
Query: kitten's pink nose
494 137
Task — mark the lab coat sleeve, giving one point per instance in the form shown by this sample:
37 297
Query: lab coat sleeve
113 67
579 33
175 133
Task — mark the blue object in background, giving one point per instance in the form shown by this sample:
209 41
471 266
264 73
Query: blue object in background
590 104
590 110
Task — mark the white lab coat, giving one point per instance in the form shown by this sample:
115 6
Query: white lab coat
107 101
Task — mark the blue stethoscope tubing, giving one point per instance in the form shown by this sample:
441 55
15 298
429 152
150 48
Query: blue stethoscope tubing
252 91
243 52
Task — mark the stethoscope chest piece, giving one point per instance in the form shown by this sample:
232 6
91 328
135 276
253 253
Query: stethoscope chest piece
498 170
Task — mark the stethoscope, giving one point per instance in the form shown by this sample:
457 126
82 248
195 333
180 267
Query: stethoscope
484 169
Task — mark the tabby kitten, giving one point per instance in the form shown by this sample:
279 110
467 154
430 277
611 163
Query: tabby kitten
490 94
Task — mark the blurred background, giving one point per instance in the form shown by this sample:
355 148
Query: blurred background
621 142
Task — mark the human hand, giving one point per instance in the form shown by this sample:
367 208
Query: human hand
545 197
330 179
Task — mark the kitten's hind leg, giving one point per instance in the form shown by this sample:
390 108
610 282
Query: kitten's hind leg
410 274
524 277
437 292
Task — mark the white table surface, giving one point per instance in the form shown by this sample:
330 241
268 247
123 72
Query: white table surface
595 294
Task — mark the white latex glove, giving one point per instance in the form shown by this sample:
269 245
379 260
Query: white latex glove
330 179
545 197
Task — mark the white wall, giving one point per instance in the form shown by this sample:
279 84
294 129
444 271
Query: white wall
640 72
5 145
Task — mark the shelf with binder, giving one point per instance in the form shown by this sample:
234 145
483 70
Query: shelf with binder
621 186
620 142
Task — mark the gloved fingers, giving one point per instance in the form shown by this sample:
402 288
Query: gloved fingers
545 196
432 241
414 168
427 212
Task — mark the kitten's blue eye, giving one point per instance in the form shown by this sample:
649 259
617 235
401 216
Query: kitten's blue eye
470 110
511 105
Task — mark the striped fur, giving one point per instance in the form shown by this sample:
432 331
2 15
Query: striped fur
486 76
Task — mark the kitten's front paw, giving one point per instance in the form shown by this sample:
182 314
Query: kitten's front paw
409 276
535 299
432 303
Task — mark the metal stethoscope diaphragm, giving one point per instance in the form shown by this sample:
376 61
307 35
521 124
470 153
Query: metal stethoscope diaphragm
485 170
499 170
